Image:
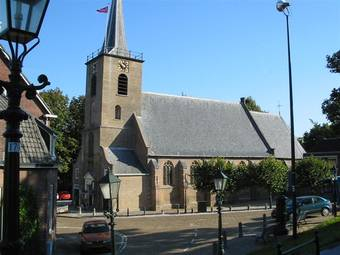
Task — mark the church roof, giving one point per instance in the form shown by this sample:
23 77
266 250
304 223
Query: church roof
277 134
115 35
185 126
123 161
192 127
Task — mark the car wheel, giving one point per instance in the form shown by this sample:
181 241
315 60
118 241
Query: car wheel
325 212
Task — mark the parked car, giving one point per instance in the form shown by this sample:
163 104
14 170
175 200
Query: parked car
307 205
64 195
95 236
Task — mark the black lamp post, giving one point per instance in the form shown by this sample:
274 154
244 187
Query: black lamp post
220 181
282 6
109 186
20 23
334 179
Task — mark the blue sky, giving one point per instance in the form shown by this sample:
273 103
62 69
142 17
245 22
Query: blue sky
219 49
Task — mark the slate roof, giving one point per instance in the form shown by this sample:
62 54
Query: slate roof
277 134
124 161
185 126
33 148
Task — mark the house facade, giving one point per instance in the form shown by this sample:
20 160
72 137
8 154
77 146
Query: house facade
151 140
38 166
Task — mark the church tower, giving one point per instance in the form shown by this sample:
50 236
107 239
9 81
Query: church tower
113 93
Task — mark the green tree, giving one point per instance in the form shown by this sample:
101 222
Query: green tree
205 170
251 105
317 133
273 175
331 107
77 116
333 62
311 173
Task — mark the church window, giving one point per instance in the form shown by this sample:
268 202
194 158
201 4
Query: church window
93 85
122 84
168 172
118 112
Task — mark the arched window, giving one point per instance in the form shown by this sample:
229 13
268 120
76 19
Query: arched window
93 85
118 112
122 84
167 173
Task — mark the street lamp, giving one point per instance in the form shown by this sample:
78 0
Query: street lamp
282 6
335 187
220 181
109 186
20 23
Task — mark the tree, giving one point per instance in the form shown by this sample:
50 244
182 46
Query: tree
204 172
273 175
311 173
333 62
317 133
251 105
77 116
331 107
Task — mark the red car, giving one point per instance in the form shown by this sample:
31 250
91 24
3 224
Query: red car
95 236
64 195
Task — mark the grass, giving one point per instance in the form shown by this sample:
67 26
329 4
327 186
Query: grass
329 235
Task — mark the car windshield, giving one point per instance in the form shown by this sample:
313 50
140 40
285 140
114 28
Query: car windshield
96 228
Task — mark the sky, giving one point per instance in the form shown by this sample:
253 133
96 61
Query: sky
218 49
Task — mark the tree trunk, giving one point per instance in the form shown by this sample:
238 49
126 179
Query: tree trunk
270 199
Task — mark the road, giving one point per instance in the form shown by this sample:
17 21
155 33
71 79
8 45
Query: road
182 234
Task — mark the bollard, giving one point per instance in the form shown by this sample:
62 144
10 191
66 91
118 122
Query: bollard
279 252
264 222
214 248
94 212
265 206
127 212
248 207
224 239
317 243
211 209
240 230
177 208
229 207
144 210
162 211
192 210
79 209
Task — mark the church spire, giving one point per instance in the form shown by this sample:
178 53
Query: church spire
115 35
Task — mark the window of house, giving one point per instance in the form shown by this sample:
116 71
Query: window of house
93 85
118 112
122 84
168 173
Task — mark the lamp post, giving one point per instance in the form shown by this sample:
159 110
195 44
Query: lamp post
109 186
334 179
20 23
220 181
282 6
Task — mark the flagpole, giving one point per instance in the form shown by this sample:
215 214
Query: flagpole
107 24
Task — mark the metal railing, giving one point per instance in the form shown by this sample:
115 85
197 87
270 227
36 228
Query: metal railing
116 52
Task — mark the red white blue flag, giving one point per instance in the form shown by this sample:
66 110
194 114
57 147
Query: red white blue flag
103 10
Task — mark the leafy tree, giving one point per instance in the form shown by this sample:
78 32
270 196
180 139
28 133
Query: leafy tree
312 172
316 134
331 107
273 175
333 62
205 170
77 116
251 105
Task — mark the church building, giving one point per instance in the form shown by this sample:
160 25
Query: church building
151 140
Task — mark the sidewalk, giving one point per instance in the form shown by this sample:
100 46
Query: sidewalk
78 213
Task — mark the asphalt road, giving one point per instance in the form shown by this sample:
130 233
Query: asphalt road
183 234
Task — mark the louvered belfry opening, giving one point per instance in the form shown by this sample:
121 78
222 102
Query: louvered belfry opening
122 84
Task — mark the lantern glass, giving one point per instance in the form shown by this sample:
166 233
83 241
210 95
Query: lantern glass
20 20
109 186
220 181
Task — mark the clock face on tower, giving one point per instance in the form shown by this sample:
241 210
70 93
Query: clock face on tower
123 65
